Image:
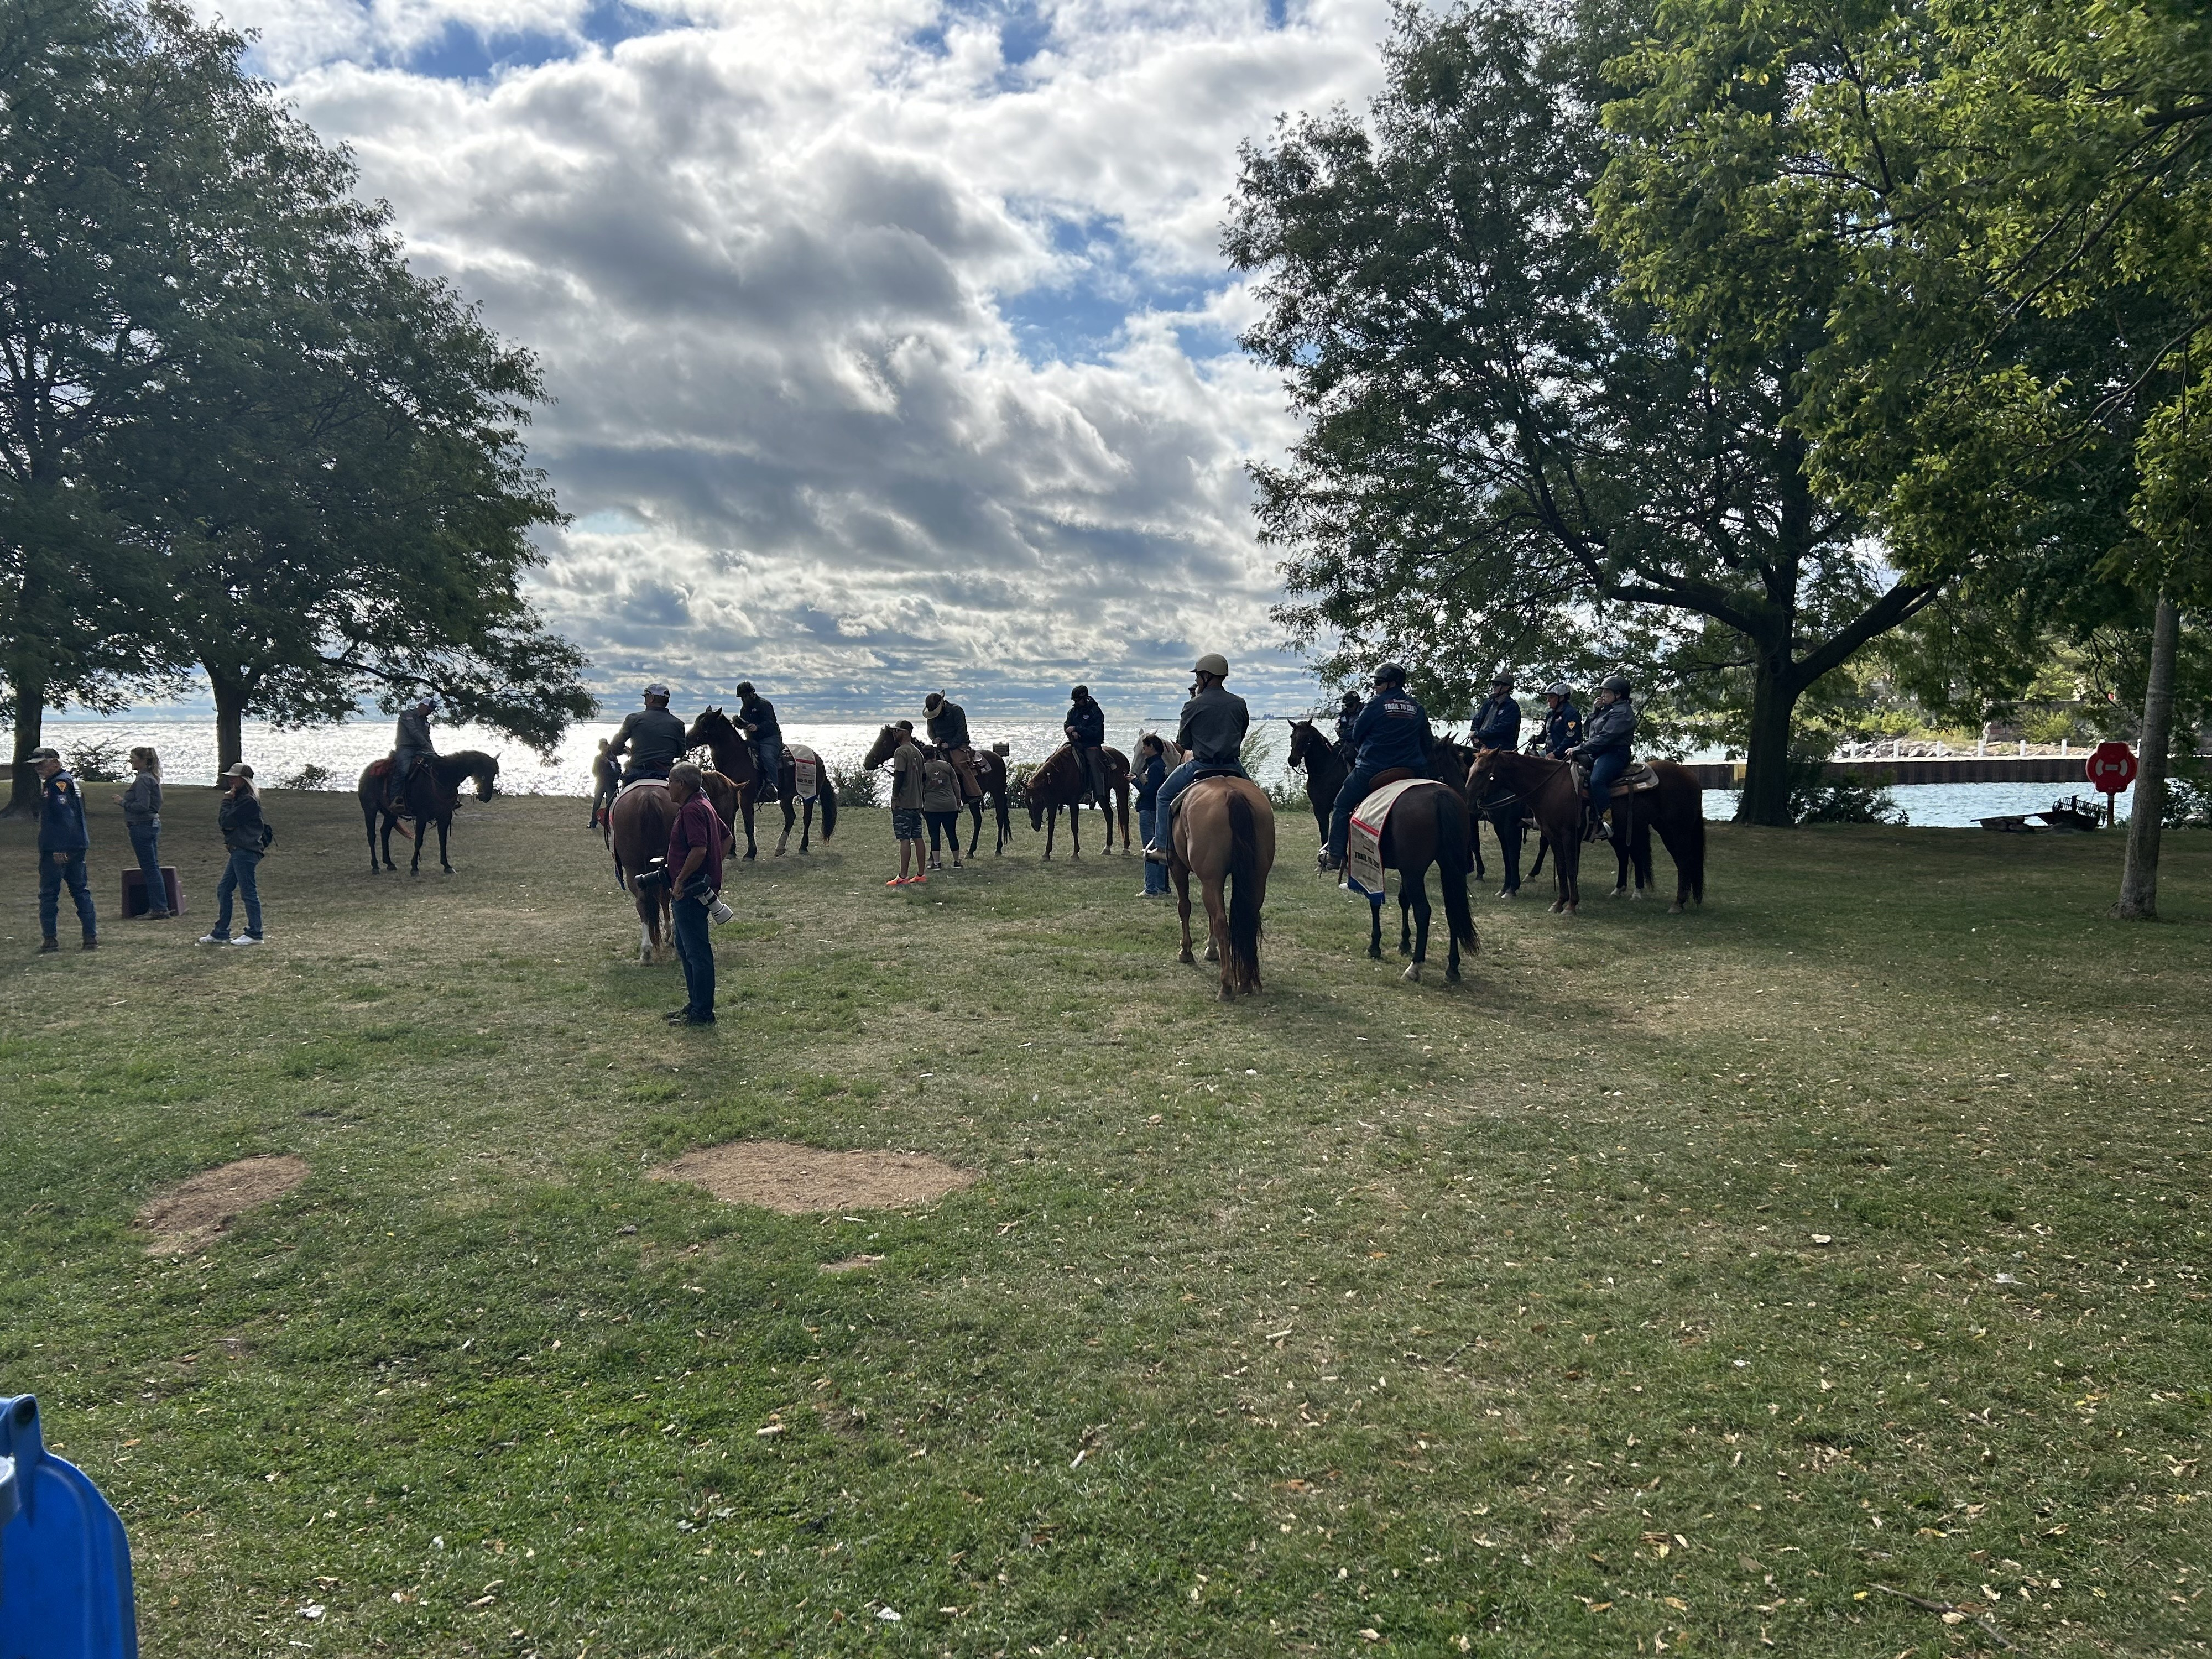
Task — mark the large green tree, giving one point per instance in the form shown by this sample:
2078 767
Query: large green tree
2018 203
1499 447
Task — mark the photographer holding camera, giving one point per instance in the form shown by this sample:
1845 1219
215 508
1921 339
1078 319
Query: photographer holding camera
695 876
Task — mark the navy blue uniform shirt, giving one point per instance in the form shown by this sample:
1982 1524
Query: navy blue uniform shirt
1563 729
1497 723
1393 730
1085 723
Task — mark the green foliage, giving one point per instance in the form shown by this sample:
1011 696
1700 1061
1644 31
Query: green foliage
95 760
855 786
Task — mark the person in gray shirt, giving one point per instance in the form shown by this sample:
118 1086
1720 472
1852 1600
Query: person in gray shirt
142 817
1212 734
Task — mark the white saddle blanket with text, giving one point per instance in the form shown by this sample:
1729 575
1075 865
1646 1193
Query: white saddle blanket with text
1363 859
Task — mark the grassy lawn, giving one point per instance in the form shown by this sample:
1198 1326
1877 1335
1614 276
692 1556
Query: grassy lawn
1355 1317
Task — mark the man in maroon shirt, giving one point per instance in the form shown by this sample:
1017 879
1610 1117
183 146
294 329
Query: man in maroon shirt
695 876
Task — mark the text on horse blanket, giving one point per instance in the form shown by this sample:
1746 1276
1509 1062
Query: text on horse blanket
1363 860
805 772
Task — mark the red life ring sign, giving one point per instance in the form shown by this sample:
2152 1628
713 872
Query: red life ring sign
2111 767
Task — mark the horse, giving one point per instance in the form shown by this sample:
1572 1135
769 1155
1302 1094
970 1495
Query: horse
1326 770
638 825
715 731
734 762
1059 781
1224 834
432 795
990 771
1676 809
1426 827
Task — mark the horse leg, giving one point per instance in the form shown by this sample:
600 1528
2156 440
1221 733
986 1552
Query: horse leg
1374 931
783 841
444 826
1074 830
1475 840
745 805
1182 875
1217 929
415 864
1405 916
1417 881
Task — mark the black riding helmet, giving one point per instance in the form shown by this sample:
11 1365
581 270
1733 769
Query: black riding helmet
1616 684
1390 674
1078 694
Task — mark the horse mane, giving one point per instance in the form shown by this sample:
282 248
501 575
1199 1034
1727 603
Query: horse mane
466 763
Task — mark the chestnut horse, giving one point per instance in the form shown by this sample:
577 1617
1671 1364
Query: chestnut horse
1676 809
1059 781
990 771
433 794
1224 834
638 825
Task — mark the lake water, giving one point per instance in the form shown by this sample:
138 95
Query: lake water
188 756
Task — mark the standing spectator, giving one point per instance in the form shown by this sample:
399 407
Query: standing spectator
142 817
906 808
63 840
695 876
606 782
247 837
941 805
1152 773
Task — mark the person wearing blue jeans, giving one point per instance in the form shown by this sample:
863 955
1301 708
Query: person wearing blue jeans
1605 746
1392 731
62 842
1152 773
239 819
141 820
757 714
1212 733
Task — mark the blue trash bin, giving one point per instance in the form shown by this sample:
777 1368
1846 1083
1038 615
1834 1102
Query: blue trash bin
64 1564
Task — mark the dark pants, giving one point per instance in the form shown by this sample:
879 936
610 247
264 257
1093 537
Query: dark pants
404 762
1507 822
695 951
1604 769
1156 875
51 876
241 877
1092 759
146 842
948 824
768 755
1356 789
638 769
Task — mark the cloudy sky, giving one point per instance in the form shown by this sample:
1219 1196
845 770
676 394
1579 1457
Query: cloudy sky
892 338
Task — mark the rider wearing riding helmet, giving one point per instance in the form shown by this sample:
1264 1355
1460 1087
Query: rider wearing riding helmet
1605 743
1563 725
655 739
1392 731
1085 728
757 716
1210 734
1498 720
1347 716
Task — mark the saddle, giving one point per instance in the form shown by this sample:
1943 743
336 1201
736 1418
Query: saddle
641 783
382 769
1638 777
1391 775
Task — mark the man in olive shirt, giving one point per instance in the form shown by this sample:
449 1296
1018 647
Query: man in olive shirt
656 738
907 787
1212 734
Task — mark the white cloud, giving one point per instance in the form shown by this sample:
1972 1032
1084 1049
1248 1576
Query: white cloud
882 363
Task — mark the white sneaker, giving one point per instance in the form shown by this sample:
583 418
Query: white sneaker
212 939
247 938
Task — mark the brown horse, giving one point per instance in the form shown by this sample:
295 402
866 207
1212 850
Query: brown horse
990 772
734 762
716 732
638 825
1059 781
434 795
1676 809
1224 834
1426 827
1326 771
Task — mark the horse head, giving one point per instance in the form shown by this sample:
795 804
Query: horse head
880 750
711 724
488 778
1302 736
1485 770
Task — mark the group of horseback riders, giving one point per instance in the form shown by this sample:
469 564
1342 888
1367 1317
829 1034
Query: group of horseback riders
1390 731
650 740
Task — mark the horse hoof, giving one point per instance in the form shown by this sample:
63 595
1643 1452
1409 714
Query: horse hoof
1637 896
1374 955
1618 892
1560 909
1413 972
1451 975
1212 954
1186 957
1227 995
1674 909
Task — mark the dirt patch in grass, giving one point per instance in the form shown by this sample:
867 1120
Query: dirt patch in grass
794 1180
851 1264
202 1210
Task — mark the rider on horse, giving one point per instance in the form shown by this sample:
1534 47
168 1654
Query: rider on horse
1498 720
411 745
1563 725
654 737
1347 716
1210 735
1085 727
948 731
1604 748
1392 731
757 719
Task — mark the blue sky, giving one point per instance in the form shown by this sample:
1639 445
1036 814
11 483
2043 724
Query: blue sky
892 343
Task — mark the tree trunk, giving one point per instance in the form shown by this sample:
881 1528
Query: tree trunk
2146 818
30 732
230 698
1774 693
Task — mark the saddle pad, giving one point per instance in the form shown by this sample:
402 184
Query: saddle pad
641 783
382 769
805 772
1363 862
1638 776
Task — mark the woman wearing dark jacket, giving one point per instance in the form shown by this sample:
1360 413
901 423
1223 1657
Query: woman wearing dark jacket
142 817
1152 773
243 834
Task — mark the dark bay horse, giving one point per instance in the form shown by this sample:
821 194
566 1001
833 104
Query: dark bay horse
1059 781
990 772
433 794
1427 827
1224 834
1676 809
719 734
733 759
1326 771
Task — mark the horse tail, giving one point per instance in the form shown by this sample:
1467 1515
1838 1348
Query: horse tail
1243 892
828 792
1454 832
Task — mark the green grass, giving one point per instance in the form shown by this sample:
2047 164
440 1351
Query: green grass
1483 1319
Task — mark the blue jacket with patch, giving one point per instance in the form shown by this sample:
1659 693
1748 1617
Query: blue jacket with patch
1563 729
1393 730
61 816
1497 723
1085 724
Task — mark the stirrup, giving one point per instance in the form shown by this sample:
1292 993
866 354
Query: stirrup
1158 855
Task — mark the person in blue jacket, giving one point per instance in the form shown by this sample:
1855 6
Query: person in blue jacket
63 840
1347 716
757 716
1392 731
1085 727
1563 722
1604 747
1152 773
1498 720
